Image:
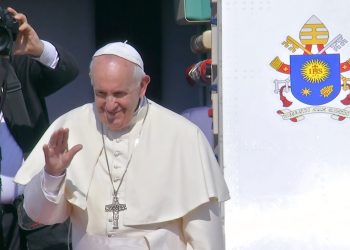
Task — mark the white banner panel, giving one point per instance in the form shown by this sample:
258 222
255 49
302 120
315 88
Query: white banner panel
286 123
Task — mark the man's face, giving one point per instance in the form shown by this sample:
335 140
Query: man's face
117 92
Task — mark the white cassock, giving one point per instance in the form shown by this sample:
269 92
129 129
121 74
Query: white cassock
172 189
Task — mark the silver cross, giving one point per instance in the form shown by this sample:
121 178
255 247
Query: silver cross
115 207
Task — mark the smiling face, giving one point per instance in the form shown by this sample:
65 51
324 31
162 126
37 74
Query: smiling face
118 86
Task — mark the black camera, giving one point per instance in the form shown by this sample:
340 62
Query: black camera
8 31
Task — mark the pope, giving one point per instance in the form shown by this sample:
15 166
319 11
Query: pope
129 173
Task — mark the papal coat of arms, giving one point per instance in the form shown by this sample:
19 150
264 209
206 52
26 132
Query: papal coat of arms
316 77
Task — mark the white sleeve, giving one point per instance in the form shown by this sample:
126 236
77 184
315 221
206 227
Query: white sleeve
43 208
49 57
51 185
203 227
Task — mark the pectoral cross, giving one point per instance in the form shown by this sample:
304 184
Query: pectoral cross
115 207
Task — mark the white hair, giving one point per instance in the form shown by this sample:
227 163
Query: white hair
138 74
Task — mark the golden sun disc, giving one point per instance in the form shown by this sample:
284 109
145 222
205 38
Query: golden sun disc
315 71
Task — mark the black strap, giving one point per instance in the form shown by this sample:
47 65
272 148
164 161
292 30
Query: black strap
14 98
3 75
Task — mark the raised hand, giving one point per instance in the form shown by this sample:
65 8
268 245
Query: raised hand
27 42
57 154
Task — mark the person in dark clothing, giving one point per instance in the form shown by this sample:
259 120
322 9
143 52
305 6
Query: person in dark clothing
30 70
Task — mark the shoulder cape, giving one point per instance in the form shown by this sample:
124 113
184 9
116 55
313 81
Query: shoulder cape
173 169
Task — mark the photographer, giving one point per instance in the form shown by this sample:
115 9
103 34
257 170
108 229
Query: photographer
30 70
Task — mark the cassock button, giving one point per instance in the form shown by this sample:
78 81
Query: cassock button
116 153
117 140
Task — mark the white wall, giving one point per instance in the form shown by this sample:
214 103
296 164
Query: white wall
289 181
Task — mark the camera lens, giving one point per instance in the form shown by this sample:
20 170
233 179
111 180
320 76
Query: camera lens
8 32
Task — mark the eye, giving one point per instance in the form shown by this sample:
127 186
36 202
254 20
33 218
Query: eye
119 94
100 94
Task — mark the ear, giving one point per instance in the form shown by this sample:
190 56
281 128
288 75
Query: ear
144 84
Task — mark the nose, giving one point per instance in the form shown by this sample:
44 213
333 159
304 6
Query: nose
111 103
